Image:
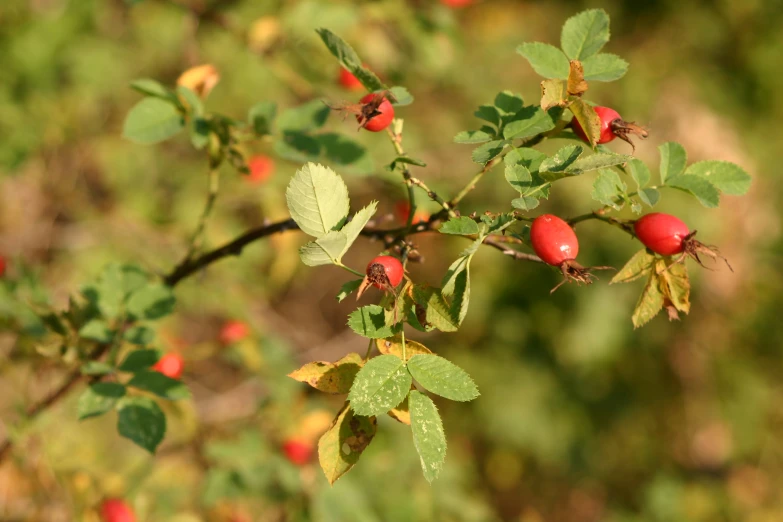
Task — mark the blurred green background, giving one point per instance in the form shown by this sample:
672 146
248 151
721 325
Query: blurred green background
581 418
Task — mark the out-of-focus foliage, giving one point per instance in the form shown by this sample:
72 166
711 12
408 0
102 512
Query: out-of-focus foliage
580 417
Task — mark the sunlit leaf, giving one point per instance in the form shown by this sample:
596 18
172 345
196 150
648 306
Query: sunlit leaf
343 443
335 378
428 435
379 386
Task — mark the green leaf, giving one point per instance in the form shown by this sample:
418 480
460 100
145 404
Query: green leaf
508 102
152 120
96 368
673 159
370 321
725 176
456 285
97 330
261 116
442 377
483 154
355 226
562 159
584 34
488 113
640 265
553 94
159 384
199 132
437 312
335 378
401 96
649 196
142 421
476 136
525 203
379 386
342 150
587 117
298 147
152 87
547 60
604 67
463 226
552 171
518 176
325 250
193 104
528 122
607 188
99 398
139 334
531 159
341 446
317 199
639 172
408 161
350 60
151 302
650 302
348 288
702 189
139 360
428 435
307 117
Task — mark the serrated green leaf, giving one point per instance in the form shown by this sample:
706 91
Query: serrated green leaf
483 154
341 446
673 160
142 421
547 60
261 117
350 60
355 226
723 175
139 334
525 203
583 164
325 250
488 113
97 330
304 118
317 199
649 196
442 377
401 96
347 289
151 302
96 368
640 265
476 136
518 176
528 122
508 102
584 34
334 378
588 119
460 226
639 172
561 160
604 67
159 384
428 435
456 285
152 120
138 360
370 321
379 386
531 159
701 189
99 398
608 188
650 302
437 312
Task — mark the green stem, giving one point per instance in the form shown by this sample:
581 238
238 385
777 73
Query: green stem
351 270
196 239
369 349
475 179
402 339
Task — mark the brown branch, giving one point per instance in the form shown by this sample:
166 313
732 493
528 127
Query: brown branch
516 254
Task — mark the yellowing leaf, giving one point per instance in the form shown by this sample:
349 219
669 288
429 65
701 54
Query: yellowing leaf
638 266
393 346
553 94
676 286
401 413
335 378
343 443
587 118
576 79
651 300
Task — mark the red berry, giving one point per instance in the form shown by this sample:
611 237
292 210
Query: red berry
349 81
662 233
554 241
380 121
297 451
261 168
391 267
403 210
607 116
170 365
116 510
233 331
456 3
2 266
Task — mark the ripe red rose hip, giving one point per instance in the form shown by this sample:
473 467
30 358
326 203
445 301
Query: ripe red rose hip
662 233
377 112
384 273
261 168
554 241
349 81
170 365
298 452
456 3
116 510
233 331
612 126
3 265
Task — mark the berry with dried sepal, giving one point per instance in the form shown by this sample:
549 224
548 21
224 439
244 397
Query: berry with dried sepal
384 273
612 126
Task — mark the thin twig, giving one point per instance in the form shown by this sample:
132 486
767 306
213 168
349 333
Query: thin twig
197 238
516 254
